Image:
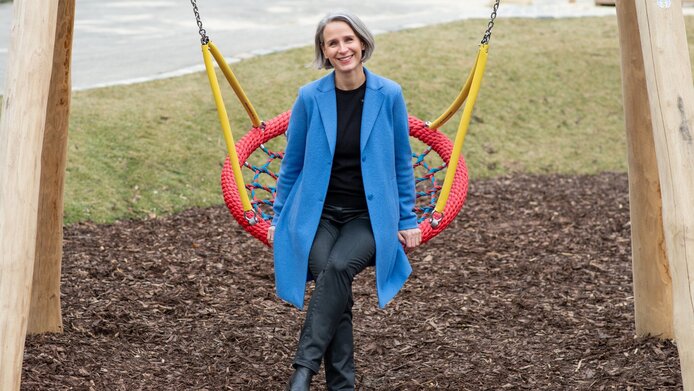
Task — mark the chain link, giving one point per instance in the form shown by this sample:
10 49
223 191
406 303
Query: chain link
204 39
488 33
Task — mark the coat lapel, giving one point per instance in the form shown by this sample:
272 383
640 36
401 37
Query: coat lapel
373 100
327 106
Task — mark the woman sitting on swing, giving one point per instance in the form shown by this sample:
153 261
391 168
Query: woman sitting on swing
345 198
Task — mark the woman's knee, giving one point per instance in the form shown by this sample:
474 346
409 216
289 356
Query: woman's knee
338 265
347 265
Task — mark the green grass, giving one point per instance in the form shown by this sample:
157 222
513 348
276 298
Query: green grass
550 103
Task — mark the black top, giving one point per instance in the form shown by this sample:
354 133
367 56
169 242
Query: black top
346 186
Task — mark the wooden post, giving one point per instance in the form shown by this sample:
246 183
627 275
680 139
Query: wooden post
21 137
44 313
671 95
651 272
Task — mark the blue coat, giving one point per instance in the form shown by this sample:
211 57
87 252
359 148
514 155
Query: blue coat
305 172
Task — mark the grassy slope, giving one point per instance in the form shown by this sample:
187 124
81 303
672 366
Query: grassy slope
550 102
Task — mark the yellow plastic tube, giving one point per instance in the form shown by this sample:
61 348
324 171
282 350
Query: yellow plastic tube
463 127
455 106
235 85
228 137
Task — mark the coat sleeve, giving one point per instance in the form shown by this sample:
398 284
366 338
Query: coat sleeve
403 164
293 160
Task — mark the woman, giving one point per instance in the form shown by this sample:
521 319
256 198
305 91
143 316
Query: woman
344 198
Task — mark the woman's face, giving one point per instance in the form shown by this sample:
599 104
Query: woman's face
342 47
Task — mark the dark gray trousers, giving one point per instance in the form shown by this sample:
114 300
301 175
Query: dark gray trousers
344 246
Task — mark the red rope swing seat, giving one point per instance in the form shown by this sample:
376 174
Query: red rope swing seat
257 137
437 203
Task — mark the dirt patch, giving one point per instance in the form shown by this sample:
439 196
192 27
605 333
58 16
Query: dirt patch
529 288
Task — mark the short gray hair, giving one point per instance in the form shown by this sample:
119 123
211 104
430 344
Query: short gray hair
355 24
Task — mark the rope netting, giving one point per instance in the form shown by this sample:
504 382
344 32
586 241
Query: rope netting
264 176
427 186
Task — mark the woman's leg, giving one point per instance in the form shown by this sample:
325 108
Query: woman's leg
352 251
339 357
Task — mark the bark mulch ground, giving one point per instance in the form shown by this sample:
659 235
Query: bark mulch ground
529 288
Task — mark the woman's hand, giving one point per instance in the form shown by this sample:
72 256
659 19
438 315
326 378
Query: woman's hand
410 238
271 235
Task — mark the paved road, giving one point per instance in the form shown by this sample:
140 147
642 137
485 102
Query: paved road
127 41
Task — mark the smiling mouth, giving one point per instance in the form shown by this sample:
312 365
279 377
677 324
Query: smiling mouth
345 59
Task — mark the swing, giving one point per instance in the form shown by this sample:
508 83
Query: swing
437 204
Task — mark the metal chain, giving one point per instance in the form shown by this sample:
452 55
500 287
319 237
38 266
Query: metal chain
488 33
203 34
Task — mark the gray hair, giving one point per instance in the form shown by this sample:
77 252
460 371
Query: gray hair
355 24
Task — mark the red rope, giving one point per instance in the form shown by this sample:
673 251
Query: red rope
278 125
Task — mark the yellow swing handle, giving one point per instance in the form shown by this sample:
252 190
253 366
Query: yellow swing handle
208 50
469 95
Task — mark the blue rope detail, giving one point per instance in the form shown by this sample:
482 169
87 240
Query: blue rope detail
263 196
426 199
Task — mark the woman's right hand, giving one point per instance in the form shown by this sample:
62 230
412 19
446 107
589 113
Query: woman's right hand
271 235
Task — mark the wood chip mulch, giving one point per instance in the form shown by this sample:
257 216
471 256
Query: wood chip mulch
528 289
